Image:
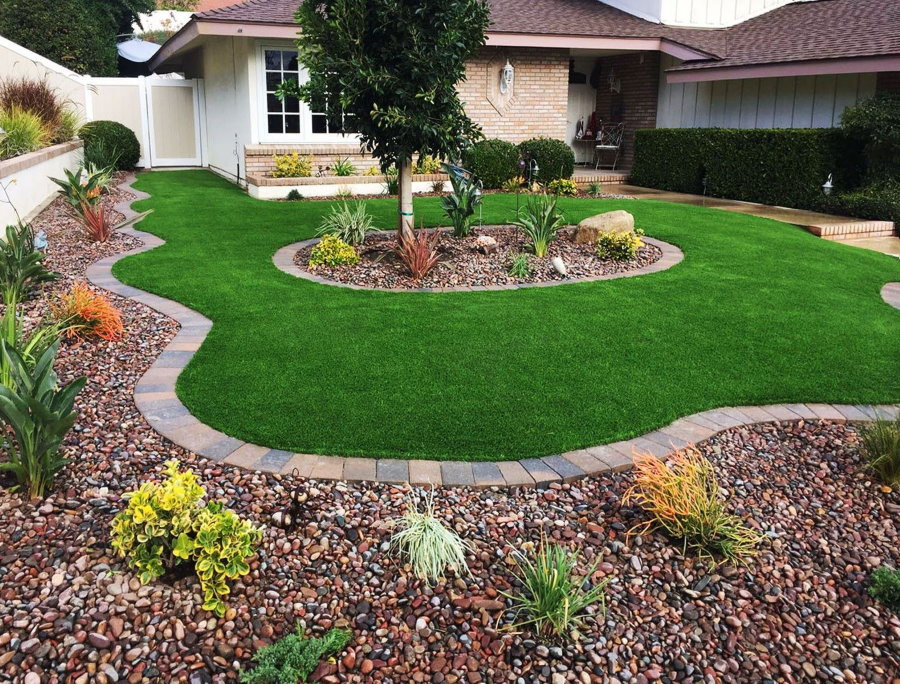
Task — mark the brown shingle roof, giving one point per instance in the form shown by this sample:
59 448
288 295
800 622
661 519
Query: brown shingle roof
813 30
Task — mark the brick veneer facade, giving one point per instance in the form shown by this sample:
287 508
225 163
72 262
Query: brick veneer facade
537 107
638 74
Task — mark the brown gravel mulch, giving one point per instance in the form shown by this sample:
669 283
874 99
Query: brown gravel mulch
70 611
463 264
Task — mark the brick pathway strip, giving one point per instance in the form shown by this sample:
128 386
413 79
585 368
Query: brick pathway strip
284 261
891 294
155 398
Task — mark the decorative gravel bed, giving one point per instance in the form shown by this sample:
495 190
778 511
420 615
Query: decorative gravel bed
70 611
463 263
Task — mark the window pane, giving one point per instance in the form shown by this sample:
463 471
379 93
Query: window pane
276 125
273 59
273 80
290 61
319 123
292 123
273 104
291 104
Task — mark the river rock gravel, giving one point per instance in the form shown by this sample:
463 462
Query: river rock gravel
70 611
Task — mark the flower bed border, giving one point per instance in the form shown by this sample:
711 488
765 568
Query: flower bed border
284 261
155 398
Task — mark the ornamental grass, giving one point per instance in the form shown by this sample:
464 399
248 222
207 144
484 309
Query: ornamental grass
84 313
880 443
682 496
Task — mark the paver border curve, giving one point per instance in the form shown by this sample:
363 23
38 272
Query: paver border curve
284 261
155 398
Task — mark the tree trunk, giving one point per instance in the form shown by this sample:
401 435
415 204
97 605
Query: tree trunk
405 219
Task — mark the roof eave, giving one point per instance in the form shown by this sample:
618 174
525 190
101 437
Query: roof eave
815 67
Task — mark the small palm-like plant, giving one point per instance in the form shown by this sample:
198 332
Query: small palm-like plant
552 600
350 223
881 449
39 414
683 498
460 205
429 545
20 264
540 220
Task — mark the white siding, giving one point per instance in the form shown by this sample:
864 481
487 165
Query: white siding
706 13
788 102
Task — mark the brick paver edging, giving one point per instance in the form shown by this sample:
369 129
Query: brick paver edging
891 294
155 398
284 261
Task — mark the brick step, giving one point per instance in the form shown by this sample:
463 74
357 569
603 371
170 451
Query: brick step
850 229
857 236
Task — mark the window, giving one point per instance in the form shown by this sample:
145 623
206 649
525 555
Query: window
282 117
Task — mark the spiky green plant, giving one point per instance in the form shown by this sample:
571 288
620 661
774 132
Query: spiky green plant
552 600
594 188
294 658
344 167
20 265
348 222
885 587
429 545
520 267
540 220
881 449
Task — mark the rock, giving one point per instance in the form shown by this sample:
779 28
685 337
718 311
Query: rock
589 229
559 266
32 678
486 244
98 640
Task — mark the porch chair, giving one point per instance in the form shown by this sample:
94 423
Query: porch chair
609 139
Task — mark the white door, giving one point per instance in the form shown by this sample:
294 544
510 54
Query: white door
173 114
582 102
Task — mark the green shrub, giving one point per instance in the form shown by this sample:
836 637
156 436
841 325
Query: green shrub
23 132
514 184
885 587
332 251
540 221
520 267
875 124
294 658
349 223
165 525
555 159
344 167
427 164
492 161
879 201
552 598
785 167
563 186
880 442
619 246
21 267
294 195
460 204
429 545
392 181
109 144
39 413
594 189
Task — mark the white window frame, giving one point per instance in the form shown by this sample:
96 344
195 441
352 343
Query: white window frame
305 135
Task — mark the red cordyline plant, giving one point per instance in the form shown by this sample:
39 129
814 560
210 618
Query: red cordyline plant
682 496
96 222
84 313
419 253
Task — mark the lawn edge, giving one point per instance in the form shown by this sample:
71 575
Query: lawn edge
155 397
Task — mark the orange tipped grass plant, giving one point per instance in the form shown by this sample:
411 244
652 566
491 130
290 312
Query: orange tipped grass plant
84 313
682 496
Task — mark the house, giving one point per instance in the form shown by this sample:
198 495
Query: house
645 63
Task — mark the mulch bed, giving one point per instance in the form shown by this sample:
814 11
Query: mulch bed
463 264
70 611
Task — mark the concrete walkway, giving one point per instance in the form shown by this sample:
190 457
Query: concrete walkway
874 235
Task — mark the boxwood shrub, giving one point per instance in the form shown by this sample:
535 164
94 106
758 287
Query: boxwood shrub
879 201
493 161
785 167
555 159
110 143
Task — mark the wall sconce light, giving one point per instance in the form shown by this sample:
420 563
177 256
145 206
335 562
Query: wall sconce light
614 82
828 185
507 74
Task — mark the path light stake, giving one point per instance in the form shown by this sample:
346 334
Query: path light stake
828 186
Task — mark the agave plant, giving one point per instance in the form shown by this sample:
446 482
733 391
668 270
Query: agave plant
20 264
460 204
39 413
540 221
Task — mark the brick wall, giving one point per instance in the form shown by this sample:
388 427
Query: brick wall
636 105
888 81
537 106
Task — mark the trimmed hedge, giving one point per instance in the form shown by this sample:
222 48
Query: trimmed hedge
877 201
110 143
493 161
785 167
555 159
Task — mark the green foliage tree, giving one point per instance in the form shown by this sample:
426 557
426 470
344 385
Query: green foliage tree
78 34
875 123
179 5
388 69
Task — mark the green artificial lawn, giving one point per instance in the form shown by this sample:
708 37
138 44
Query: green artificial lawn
758 312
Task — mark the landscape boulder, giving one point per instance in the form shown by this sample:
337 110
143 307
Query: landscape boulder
612 221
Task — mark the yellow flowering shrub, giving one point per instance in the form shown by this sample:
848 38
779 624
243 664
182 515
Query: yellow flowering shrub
562 186
619 246
292 165
427 164
166 524
332 251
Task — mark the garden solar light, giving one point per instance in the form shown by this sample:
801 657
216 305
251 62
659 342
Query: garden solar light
828 185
